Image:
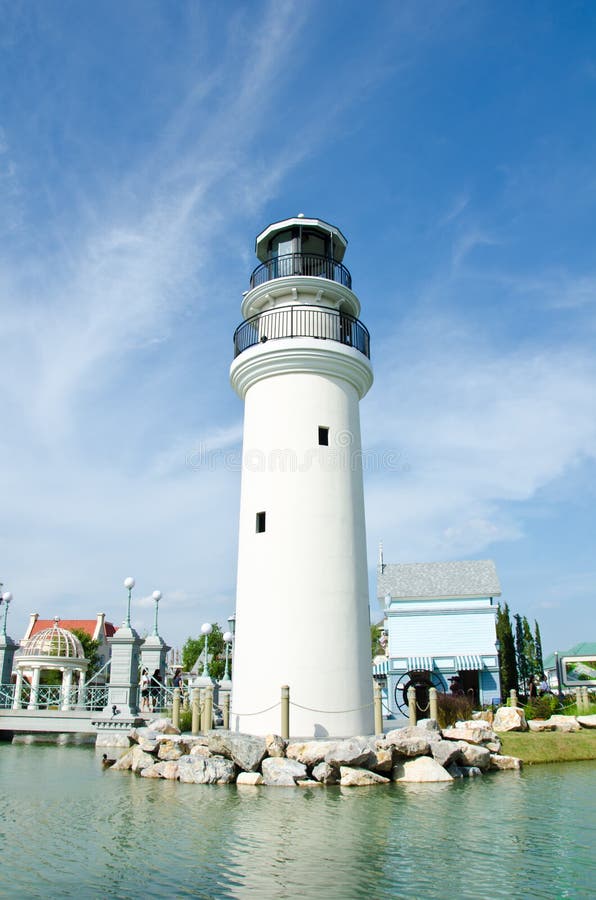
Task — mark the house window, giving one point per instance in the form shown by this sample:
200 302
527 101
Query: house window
260 522
323 436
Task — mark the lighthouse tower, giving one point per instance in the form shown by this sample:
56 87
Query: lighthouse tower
302 364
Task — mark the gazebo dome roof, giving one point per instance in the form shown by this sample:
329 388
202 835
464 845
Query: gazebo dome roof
54 641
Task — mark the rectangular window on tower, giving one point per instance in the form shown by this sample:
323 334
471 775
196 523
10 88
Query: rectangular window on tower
323 436
260 522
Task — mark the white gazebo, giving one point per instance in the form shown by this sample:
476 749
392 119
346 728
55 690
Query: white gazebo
54 649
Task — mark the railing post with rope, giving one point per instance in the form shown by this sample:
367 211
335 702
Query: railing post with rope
176 708
412 705
195 711
378 708
433 700
285 711
513 696
226 710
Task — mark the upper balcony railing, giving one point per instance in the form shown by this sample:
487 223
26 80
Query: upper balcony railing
302 321
300 264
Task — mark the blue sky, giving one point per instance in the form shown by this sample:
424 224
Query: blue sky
143 145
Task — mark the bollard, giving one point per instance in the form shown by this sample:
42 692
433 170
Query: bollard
513 695
579 700
433 702
176 708
412 705
378 707
225 703
586 699
195 711
285 711
208 709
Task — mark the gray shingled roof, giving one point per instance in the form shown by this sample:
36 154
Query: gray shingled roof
472 578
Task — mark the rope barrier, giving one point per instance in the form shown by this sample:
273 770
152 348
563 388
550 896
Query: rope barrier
331 712
259 713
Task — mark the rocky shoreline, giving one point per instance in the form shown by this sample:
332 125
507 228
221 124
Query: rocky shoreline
414 754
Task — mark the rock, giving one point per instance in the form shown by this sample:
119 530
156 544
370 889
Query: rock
112 739
418 770
169 749
151 771
447 752
200 750
169 770
245 750
510 718
584 721
383 759
474 755
567 724
493 746
539 725
471 732
326 773
282 772
355 752
356 777
428 725
276 745
136 760
148 744
164 726
504 762
455 771
411 741
309 752
125 761
470 771
215 770
251 778
307 782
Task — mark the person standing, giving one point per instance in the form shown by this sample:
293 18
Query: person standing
155 689
145 705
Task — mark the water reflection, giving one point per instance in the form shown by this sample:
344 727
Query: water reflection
69 828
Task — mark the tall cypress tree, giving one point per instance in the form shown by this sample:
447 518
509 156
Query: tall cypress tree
507 660
522 663
529 648
538 645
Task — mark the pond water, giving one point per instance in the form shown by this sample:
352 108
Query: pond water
69 828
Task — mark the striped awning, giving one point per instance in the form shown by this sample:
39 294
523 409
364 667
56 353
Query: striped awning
419 663
381 668
465 663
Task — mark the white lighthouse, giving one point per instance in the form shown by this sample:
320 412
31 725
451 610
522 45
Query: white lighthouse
302 364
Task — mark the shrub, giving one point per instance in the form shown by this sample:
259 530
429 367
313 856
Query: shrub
541 707
454 708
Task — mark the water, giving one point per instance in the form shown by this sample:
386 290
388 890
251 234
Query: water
69 828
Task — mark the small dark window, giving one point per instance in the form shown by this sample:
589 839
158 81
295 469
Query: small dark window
323 436
260 522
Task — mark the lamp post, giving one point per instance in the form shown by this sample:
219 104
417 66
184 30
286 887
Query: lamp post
228 638
129 583
5 599
206 629
156 598
232 624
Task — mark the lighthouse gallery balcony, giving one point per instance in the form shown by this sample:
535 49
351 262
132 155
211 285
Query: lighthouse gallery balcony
302 321
301 263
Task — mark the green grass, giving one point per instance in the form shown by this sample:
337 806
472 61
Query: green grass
549 746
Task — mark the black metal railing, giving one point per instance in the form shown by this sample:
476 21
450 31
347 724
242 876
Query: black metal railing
302 321
301 264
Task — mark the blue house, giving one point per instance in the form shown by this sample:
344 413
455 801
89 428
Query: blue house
440 620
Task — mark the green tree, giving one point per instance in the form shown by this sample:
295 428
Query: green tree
538 645
529 648
193 648
507 659
522 662
90 649
376 648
